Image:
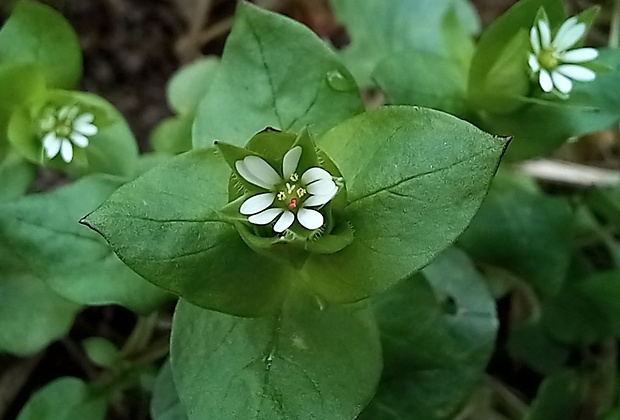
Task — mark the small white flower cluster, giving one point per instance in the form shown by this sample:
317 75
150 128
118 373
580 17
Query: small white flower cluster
64 128
293 195
553 61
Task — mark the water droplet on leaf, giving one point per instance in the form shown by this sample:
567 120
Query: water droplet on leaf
338 81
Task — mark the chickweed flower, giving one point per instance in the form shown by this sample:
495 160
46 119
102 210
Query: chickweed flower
288 197
64 128
553 61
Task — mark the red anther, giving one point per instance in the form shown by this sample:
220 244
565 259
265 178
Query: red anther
292 204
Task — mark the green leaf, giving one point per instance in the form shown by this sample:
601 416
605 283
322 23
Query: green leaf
16 175
381 29
32 315
586 310
165 225
75 262
439 170
165 403
558 398
525 233
112 150
544 125
173 135
274 72
21 83
189 84
430 81
497 37
305 362
64 399
101 351
438 332
531 344
37 34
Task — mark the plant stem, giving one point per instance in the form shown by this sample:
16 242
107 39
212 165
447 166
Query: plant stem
140 336
614 32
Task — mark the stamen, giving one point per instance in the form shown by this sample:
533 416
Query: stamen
301 192
290 188
281 196
294 177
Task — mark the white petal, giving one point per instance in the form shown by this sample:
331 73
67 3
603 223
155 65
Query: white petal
571 37
319 200
85 119
545 81
545 33
265 217
561 82
314 174
262 170
579 73
322 187
534 64
79 140
285 222
86 129
535 40
66 151
566 26
290 162
51 144
248 176
580 55
257 203
310 219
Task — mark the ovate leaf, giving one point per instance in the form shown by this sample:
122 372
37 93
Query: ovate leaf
39 35
524 233
189 84
32 315
415 178
430 81
48 244
166 226
274 72
438 332
16 175
65 399
173 135
304 362
165 403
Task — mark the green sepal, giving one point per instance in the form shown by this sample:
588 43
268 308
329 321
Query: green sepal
588 17
339 238
231 155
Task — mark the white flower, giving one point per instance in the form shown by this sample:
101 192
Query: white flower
63 128
553 62
286 198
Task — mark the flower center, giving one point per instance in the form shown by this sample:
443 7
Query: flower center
64 128
291 193
548 59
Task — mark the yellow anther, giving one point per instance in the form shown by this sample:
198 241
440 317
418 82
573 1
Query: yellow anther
294 177
301 192
281 196
290 188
